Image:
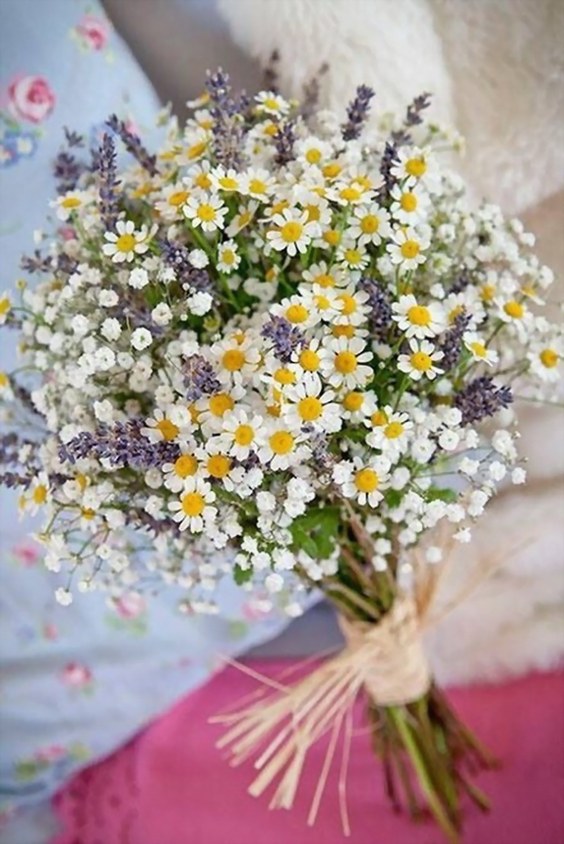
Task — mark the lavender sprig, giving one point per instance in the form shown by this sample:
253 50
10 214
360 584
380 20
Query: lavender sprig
481 398
36 263
412 118
122 444
107 173
270 73
380 313
284 141
357 113
286 338
133 144
199 378
229 128
451 345
177 256
67 169
312 89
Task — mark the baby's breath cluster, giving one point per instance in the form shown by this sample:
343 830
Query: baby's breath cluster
265 343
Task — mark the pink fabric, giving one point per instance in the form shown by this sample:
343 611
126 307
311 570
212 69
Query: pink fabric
171 786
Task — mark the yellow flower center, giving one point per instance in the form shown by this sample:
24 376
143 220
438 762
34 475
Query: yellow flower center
343 331
353 257
479 349
82 481
487 292
270 129
325 280
416 167
234 360
366 480
349 304
244 435
408 202
332 170
421 361
350 194
273 410
197 149
353 401
228 257
309 360
218 465
168 429
345 362
203 181
257 186
313 213
87 513
379 418
192 504
4 380
332 237
296 313
284 376
71 202
313 156
369 224
228 183
178 198
410 249
125 243
291 231
549 358
206 213
185 465
419 315
322 303
455 312
310 408
514 309
282 442
393 430
220 404
39 494
271 103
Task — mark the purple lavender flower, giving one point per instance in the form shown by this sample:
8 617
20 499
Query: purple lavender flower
311 91
67 169
122 444
177 256
270 73
199 378
107 173
285 337
133 145
229 127
481 398
389 159
380 315
461 281
36 263
412 118
451 345
357 112
284 141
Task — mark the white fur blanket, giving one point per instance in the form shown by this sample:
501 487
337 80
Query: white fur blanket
496 72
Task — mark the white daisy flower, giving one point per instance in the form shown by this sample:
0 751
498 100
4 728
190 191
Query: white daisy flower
210 410
206 211
313 151
409 205
69 203
171 201
307 404
545 358
193 510
160 427
228 258
369 224
407 248
293 232
268 102
421 361
242 218
225 180
415 165
175 474
125 243
281 446
324 276
38 494
358 405
393 437
352 256
259 184
365 480
418 320
237 358
477 348
344 362
5 306
240 433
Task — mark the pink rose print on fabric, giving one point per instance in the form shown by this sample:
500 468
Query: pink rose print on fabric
77 676
31 98
26 553
131 605
93 32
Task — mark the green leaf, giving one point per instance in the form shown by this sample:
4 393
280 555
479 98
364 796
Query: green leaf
241 575
435 493
315 532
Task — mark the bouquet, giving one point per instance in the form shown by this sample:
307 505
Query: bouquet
267 351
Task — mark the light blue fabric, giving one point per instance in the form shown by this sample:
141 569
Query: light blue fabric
78 681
